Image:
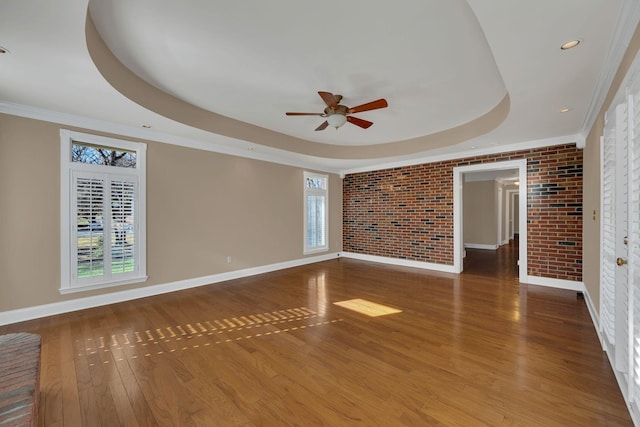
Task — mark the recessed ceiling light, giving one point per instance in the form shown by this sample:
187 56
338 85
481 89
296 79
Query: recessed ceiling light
564 110
4 50
570 44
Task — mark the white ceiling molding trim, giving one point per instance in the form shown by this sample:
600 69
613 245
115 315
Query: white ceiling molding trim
627 23
549 142
244 149
225 145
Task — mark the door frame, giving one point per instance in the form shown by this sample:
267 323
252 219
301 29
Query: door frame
458 244
510 221
499 214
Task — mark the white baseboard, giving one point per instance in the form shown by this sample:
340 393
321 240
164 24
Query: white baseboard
622 384
29 313
635 416
398 261
481 246
594 315
504 242
556 283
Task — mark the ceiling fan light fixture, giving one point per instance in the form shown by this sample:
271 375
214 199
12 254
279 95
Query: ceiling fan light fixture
337 115
336 120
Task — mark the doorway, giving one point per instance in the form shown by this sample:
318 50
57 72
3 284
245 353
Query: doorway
458 211
488 224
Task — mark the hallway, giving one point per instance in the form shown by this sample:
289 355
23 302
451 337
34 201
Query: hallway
501 263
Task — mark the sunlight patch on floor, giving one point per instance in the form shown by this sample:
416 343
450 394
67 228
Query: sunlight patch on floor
169 339
368 308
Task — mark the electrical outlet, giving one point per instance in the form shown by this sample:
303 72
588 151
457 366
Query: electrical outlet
229 259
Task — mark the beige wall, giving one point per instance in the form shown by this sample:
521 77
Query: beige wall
201 208
479 213
591 192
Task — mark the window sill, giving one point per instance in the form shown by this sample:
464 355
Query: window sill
314 251
94 286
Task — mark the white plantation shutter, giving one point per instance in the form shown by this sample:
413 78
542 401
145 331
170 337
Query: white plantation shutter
607 272
634 239
620 234
316 199
95 198
315 218
622 303
123 236
88 204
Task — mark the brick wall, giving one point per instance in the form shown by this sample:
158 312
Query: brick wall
407 212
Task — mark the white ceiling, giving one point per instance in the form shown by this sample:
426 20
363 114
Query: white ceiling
440 65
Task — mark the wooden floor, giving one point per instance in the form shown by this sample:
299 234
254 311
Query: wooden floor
274 350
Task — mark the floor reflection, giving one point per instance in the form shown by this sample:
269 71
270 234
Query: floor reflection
317 289
501 263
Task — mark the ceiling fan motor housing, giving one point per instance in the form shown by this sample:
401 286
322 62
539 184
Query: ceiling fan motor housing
339 109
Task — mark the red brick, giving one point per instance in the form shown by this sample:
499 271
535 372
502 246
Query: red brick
375 197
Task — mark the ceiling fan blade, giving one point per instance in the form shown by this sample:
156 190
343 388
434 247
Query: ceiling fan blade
304 114
323 126
364 124
373 105
329 99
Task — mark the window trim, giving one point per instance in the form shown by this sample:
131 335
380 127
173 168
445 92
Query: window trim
307 191
67 167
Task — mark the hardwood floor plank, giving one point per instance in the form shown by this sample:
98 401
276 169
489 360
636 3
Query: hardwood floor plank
115 388
51 375
274 349
101 374
86 393
70 399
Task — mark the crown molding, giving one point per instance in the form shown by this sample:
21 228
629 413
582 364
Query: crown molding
627 23
538 143
239 148
220 144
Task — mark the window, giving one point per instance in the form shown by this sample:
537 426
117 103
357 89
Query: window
315 212
103 232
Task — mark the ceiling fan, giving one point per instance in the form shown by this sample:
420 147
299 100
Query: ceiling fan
337 114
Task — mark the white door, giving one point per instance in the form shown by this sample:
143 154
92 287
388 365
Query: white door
620 245
620 256
614 318
630 246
